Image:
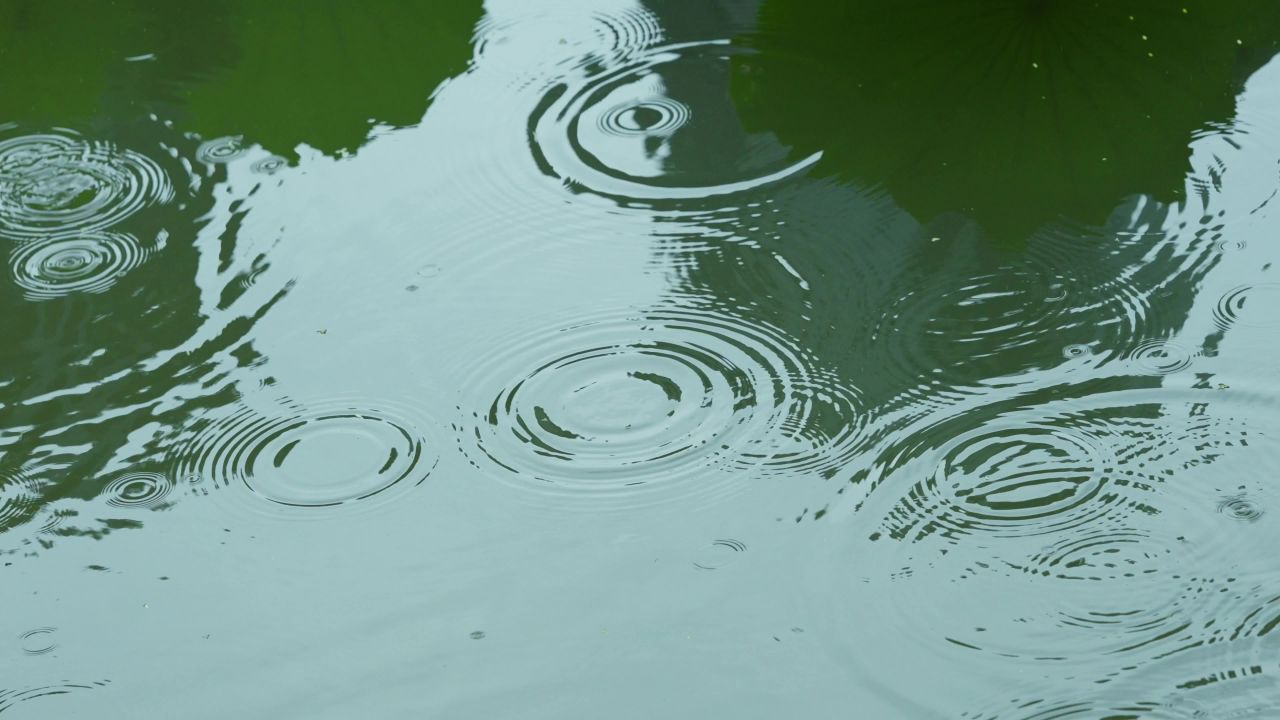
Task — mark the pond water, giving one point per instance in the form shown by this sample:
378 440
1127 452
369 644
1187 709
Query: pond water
597 358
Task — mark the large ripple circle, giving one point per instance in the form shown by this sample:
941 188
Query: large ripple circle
621 134
63 184
88 263
655 405
315 455
1016 468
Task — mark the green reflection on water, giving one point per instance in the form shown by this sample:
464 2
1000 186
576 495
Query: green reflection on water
1017 113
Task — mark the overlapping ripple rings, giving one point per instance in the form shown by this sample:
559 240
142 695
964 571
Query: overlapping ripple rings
634 407
619 133
1051 461
1015 472
86 263
1019 318
313 455
59 184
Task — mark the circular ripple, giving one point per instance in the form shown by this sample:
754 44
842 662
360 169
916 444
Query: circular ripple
621 135
144 489
311 456
1249 306
961 334
1241 508
221 150
1008 479
655 404
1161 357
269 165
88 263
659 115
63 184
1080 709
1104 555
1035 463
19 499
719 554
38 641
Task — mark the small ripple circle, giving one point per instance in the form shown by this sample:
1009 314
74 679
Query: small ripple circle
1249 306
1241 508
269 165
87 263
1161 357
138 490
221 150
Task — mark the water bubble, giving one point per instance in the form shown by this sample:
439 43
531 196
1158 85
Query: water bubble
38 641
269 165
1077 350
317 455
61 184
719 554
1161 357
1241 508
87 263
1231 245
221 150
621 134
138 490
655 405
1249 306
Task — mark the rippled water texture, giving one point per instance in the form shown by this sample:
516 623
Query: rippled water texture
620 359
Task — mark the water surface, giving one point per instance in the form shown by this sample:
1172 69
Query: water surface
631 360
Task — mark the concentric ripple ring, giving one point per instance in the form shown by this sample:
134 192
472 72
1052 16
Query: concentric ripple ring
313 455
87 263
610 134
60 184
661 404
